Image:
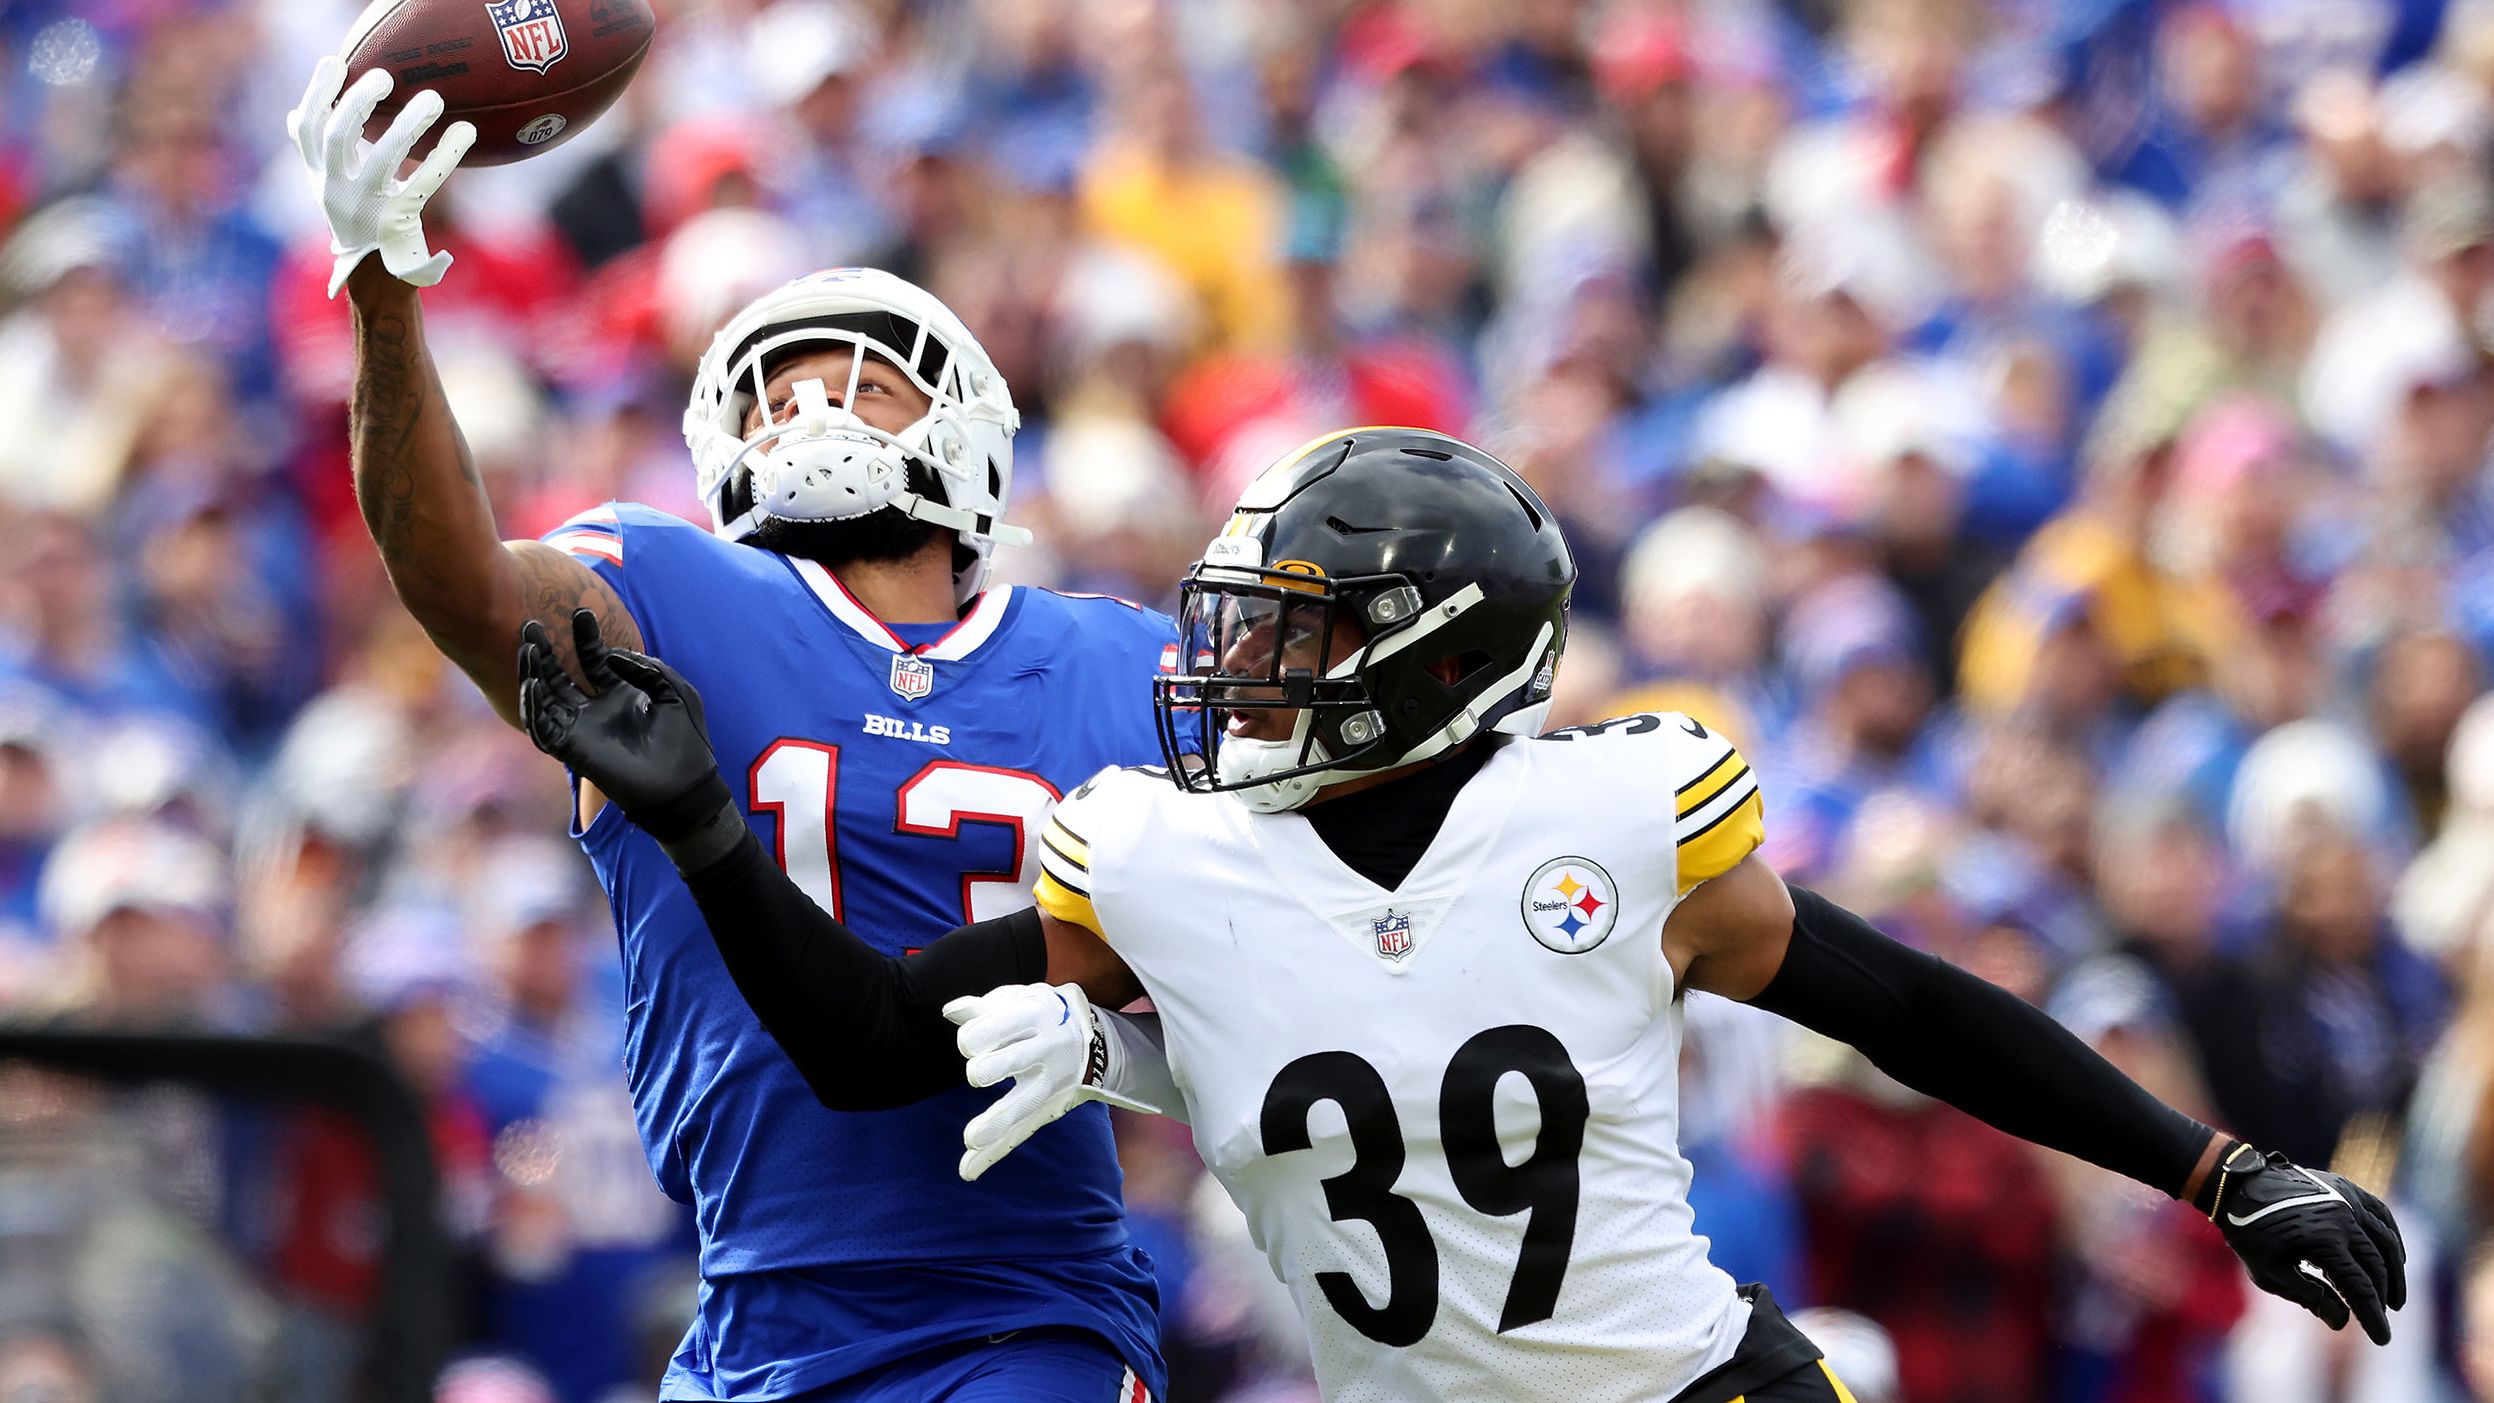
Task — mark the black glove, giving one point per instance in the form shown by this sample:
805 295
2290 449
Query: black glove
640 740
2310 1236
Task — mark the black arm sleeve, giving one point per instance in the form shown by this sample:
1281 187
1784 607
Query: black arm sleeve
1978 1047
865 1029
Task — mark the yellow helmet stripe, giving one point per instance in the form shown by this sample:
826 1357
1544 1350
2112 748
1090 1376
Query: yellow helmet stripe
1292 460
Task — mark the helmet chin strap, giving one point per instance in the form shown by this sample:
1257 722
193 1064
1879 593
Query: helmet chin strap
1242 759
936 513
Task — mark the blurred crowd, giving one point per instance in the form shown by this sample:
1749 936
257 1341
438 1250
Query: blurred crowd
2050 438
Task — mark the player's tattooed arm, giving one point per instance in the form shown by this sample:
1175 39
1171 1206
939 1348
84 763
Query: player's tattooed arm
553 588
428 513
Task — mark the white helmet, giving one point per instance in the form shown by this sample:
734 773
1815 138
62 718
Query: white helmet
825 463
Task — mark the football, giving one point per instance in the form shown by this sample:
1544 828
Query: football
529 73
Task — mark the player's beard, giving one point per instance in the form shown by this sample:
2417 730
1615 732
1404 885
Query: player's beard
884 534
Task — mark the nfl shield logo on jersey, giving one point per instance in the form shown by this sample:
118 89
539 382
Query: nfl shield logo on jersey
1394 934
531 30
912 677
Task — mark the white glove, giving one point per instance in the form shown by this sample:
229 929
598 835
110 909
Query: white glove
1053 1047
368 207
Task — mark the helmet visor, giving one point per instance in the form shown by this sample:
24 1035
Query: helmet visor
1264 655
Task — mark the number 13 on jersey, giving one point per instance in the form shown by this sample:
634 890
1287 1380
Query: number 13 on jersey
798 783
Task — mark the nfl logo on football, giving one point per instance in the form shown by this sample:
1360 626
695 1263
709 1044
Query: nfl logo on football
1394 934
912 677
531 30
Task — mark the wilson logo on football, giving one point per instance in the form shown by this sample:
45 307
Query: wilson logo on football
532 34
1570 905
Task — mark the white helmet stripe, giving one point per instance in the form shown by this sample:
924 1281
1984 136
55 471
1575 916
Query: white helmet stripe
1467 722
1435 619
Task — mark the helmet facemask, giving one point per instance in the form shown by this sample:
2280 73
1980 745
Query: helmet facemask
950 468
823 462
1345 720
1258 641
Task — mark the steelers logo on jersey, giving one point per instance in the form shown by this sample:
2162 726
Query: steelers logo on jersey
1571 904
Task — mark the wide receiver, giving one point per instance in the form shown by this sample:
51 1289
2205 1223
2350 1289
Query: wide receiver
897 729
1420 980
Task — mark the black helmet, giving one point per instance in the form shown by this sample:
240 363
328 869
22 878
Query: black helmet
1429 551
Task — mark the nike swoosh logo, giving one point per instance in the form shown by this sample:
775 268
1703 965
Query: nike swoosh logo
2326 1195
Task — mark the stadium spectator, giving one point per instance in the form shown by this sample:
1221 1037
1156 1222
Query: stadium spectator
2151 1299
75 362
575 1228
139 916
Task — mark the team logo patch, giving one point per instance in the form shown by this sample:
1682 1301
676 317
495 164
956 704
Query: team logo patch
1571 904
1394 934
912 676
532 34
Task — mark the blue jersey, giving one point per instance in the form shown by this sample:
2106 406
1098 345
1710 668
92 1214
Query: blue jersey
903 789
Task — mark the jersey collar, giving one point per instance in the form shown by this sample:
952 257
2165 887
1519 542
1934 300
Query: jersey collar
1475 819
975 628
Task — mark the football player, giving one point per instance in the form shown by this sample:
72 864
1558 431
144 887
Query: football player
878 701
1419 972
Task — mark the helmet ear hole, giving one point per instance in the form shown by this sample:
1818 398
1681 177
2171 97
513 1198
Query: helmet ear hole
1454 670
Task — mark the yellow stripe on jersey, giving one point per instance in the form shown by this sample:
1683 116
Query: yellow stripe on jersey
1061 838
1722 775
1843 1394
1065 903
1713 850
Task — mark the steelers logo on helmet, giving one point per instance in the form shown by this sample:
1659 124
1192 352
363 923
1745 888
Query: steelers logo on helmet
1570 904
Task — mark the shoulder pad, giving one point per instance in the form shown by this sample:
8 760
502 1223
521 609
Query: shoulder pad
593 536
1110 778
1100 815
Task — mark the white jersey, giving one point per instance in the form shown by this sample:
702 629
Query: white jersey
1449 1111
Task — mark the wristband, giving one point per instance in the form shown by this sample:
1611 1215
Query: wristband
2238 1158
693 843
1095 1061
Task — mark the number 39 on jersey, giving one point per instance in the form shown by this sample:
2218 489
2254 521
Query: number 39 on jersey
1448 1110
